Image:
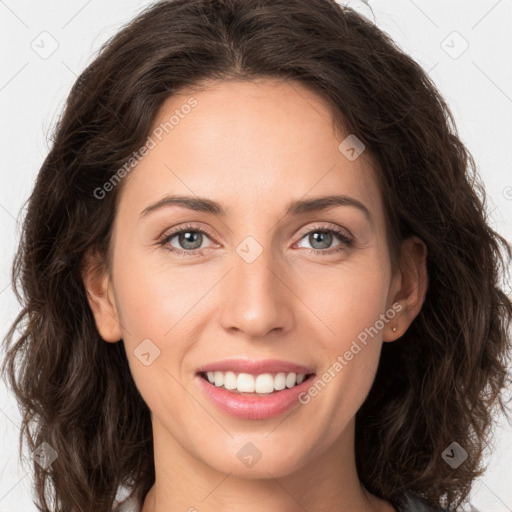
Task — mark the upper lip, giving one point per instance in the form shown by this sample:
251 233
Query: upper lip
255 367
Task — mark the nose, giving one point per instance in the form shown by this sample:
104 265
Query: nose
259 298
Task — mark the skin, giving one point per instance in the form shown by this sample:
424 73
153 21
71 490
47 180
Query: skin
253 147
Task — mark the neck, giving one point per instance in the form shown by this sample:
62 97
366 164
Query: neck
328 482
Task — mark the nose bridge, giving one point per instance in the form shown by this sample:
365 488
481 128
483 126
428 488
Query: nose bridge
258 301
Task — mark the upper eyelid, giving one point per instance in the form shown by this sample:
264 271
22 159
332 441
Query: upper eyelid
182 229
329 226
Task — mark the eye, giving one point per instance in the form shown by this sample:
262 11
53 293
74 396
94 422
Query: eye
189 239
321 238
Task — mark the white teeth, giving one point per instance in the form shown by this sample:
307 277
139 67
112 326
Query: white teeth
219 379
230 380
264 383
280 381
246 383
291 380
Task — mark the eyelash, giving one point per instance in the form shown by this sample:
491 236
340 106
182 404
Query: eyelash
345 240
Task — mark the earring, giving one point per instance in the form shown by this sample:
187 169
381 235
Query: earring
393 329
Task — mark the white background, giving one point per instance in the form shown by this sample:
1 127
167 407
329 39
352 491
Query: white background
477 85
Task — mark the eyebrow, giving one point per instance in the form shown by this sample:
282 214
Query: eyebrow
298 207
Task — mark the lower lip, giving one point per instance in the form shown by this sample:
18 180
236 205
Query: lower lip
254 407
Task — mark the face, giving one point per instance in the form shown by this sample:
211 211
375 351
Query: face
250 278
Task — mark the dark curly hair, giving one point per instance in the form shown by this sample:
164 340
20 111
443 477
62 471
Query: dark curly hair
441 382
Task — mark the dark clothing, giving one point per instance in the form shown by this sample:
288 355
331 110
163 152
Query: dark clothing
412 502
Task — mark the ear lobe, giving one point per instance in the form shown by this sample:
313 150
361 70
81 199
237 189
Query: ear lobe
413 284
100 297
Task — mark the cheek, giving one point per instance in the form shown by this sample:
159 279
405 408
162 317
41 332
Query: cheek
153 297
153 303
163 304
347 299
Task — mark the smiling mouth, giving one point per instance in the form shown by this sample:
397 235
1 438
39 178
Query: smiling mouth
257 385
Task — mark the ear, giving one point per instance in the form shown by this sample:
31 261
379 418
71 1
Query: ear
408 288
100 295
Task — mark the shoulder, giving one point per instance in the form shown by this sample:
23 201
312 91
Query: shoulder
409 501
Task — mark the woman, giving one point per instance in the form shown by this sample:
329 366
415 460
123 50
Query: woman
257 274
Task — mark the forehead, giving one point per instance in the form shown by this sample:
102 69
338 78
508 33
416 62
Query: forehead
246 144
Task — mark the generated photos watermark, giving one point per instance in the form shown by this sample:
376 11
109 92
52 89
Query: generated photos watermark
151 143
344 359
